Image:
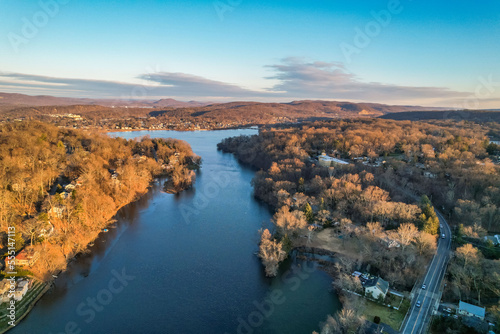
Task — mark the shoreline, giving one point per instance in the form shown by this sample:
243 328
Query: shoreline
31 305
49 283
179 130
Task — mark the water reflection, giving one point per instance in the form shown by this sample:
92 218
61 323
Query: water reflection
193 275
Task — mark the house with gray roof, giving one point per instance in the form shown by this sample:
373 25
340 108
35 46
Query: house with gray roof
471 310
495 240
376 287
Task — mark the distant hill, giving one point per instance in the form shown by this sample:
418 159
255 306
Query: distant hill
46 100
18 105
296 110
460 115
176 104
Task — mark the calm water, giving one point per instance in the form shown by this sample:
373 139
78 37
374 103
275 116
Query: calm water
185 264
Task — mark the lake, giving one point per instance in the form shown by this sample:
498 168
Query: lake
186 263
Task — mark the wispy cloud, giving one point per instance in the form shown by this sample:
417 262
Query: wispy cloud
331 80
163 84
292 78
187 84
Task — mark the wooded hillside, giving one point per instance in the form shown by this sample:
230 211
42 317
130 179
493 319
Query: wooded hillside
60 187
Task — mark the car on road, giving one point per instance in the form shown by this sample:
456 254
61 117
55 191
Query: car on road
443 236
424 286
418 303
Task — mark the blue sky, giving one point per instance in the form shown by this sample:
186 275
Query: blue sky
437 53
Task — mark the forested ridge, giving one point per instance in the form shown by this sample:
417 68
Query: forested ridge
136 115
371 205
60 187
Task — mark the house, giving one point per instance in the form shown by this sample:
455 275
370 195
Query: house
389 243
495 240
56 211
430 175
376 287
4 286
470 310
46 230
25 258
20 291
356 274
21 283
327 161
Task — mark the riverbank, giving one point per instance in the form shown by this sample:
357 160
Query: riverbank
40 287
24 307
196 273
239 127
95 211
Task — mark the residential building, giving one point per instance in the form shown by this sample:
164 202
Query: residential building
493 238
56 211
430 175
25 258
20 292
4 286
471 310
376 287
325 160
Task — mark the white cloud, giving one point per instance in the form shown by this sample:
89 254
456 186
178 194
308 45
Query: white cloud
293 78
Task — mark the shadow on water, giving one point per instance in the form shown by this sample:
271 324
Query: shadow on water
84 264
196 274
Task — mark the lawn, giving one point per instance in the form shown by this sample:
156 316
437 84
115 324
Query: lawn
22 306
387 315
393 300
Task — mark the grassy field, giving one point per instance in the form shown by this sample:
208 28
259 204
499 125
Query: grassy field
387 315
22 306
393 300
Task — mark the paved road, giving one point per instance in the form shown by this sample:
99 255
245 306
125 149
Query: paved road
418 317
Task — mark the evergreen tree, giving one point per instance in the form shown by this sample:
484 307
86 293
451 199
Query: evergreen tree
308 212
429 221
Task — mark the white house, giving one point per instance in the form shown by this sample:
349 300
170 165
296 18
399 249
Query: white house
376 287
494 239
325 160
21 289
471 310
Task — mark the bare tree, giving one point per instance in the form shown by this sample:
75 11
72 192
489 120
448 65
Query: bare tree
289 221
271 252
406 233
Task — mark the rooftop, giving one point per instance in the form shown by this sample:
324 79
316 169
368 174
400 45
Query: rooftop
378 282
473 309
325 157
